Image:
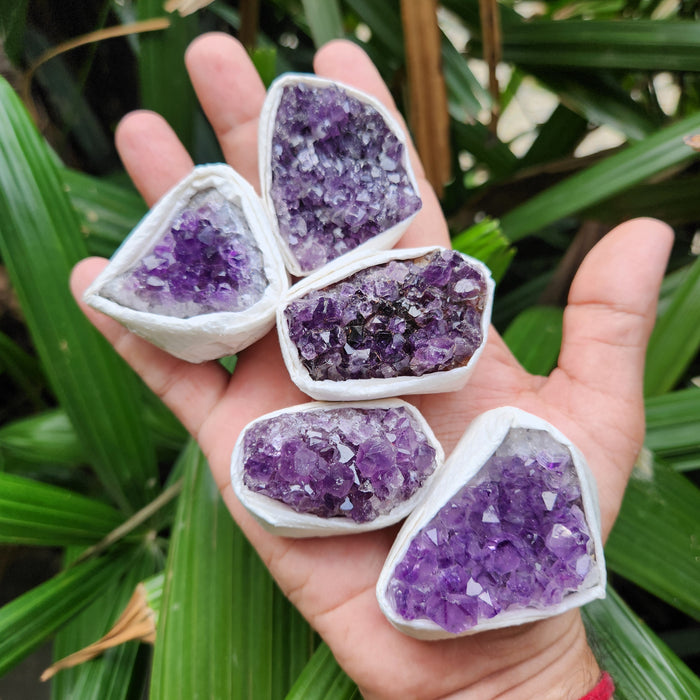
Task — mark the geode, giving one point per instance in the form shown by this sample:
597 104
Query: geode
334 171
331 468
398 322
509 532
201 275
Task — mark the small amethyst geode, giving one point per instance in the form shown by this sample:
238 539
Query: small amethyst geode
322 465
334 171
518 540
399 315
201 275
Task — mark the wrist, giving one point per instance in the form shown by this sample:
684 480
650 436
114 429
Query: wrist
552 661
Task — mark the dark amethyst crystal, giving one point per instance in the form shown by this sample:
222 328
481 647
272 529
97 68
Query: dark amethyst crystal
337 174
346 462
401 318
515 536
206 261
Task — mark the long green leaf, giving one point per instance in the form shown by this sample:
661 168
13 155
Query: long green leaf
293 640
325 21
165 86
107 212
657 533
47 437
599 182
32 618
675 339
556 138
50 438
486 242
639 662
293 643
322 679
466 96
13 20
534 337
673 427
486 147
216 602
624 44
40 242
33 513
384 21
115 675
599 98
673 201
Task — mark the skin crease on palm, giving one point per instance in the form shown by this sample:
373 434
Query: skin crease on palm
593 396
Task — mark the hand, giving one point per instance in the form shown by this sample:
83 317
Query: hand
593 396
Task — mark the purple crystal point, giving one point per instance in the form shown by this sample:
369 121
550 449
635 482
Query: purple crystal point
505 541
338 177
206 261
402 318
346 462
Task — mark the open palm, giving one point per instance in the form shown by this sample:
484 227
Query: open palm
594 397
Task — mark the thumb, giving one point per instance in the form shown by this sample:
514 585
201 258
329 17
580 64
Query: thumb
612 308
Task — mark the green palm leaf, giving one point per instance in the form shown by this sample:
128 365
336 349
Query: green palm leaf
33 513
32 618
656 532
216 602
639 662
40 242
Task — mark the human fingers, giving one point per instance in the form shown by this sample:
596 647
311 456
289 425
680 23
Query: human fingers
231 94
348 63
152 154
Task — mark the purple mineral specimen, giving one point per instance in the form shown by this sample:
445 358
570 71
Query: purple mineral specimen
346 462
206 261
514 537
402 318
338 177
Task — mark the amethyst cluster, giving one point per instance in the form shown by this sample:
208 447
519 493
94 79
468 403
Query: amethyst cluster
514 537
348 462
402 318
207 261
338 177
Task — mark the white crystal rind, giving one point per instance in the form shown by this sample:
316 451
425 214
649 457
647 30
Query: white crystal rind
280 519
211 335
383 240
375 388
480 441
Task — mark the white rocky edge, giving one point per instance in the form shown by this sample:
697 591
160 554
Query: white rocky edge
381 241
480 441
281 519
375 388
211 335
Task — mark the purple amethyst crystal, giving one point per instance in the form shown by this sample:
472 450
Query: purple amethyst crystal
346 462
514 537
401 318
206 261
338 177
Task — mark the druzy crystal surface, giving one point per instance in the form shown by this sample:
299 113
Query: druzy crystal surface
206 261
401 318
338 177
345 462
515 536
